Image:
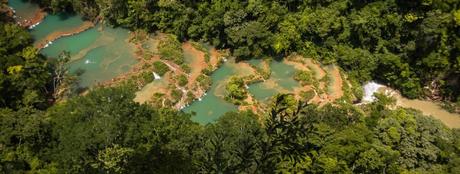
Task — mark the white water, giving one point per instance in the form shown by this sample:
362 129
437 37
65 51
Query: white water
157 77
34 25
48 44
87 61
369 89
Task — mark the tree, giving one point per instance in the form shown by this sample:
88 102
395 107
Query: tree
236 90
25 73
231 145
125 136
64 84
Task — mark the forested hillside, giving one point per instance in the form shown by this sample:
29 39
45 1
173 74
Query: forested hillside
411 45
25 75
106 132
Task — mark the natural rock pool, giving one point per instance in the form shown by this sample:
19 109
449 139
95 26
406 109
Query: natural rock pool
103 53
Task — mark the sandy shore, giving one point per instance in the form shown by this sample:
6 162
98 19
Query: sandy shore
337 84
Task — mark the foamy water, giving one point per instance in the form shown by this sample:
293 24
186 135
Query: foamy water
369 89
430 108
157 77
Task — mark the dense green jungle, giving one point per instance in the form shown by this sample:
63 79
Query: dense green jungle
249 86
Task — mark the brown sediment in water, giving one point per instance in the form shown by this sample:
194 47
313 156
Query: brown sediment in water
220 88
307 64
316 68
102 40
135 70
146 93
58 34
40 14
427 107
272 84
244 68
214 58
433 109
197 65
297 64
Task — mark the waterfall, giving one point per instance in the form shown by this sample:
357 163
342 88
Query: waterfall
157 77
369 89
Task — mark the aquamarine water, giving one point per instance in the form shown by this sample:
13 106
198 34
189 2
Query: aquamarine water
60 22
212 106
101 52
256 62
281 80
283 74
73 44
104 53
262 92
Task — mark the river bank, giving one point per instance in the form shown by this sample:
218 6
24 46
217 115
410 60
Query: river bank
427 107
34 21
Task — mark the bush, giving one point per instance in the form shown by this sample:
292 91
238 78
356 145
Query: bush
204 81
207 70
160 68
176 95
182 80
236 90
304 77
186 68
307 95
171 49
147 77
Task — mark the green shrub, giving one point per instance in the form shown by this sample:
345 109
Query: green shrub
304 77
176 95
204 81
307 95
147 77
207 70
171 49
182 80
160 68
186 68
236 90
